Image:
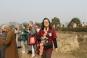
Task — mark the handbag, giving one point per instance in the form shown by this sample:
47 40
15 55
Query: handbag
48 45
31 40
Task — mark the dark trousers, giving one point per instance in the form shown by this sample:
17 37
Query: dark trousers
2 53
46 54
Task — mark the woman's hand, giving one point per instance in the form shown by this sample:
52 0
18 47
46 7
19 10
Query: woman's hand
42 38
56 50
28 31
21 33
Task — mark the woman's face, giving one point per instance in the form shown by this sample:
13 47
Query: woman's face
2 27
46 23
22 26
29 24
36 26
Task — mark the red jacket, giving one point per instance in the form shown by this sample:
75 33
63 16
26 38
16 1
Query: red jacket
51 33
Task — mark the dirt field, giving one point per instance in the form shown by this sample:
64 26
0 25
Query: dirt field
54 55
80 53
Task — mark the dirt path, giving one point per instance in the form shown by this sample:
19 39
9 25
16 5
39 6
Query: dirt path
54 55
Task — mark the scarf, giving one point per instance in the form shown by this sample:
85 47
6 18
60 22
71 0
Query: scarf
42 41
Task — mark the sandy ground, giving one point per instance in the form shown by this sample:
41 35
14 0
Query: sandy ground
80 53
54 55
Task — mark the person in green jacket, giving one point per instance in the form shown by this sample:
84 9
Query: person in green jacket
24 36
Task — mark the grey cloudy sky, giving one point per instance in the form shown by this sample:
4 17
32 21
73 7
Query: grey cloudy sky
35 10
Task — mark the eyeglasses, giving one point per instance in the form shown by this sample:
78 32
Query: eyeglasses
46 22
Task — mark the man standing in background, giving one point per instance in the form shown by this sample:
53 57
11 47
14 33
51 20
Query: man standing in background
3 37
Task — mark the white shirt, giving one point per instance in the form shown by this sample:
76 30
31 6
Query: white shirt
38 29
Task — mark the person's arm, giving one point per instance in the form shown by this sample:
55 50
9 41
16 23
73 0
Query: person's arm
23 32
55 43
39 38
54 39
39 35
32 31
8 39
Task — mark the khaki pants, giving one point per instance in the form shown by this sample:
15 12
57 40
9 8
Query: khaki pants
23 45
46 54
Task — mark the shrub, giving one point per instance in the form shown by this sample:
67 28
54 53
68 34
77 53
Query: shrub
78 29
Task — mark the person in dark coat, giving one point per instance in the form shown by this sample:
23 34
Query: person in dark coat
11 50
3 37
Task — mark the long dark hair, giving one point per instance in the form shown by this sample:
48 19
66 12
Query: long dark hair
43 23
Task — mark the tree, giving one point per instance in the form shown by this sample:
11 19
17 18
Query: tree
20 26
75 20
55 21
13 24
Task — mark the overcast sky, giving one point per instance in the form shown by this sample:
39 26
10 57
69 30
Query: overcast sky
35 10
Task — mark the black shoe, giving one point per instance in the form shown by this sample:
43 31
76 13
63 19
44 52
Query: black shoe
19 47
29 52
